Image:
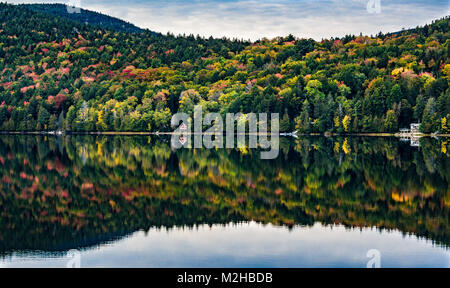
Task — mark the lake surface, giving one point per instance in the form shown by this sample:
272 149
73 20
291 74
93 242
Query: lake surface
132 201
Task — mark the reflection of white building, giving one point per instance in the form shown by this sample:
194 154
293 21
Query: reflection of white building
415 142
411 135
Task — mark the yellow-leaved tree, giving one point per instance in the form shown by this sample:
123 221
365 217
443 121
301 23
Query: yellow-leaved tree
346 123
444 125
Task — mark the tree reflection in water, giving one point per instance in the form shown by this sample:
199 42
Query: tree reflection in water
59 193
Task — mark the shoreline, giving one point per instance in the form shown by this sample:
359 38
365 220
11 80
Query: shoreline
119 133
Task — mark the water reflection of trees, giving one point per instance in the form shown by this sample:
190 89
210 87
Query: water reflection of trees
57 193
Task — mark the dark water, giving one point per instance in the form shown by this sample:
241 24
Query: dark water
134 202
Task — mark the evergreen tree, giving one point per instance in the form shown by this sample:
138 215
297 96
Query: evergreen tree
430 122
390 123
285 123
43 118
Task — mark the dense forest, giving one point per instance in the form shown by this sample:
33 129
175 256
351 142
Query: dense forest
59 73
59 193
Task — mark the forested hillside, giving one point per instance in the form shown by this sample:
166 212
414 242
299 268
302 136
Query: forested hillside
84 16
56 73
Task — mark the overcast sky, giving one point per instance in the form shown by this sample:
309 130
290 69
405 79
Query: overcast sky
254 19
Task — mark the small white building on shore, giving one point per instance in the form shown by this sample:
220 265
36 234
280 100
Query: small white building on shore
415 128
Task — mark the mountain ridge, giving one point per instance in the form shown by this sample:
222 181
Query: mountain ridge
85 16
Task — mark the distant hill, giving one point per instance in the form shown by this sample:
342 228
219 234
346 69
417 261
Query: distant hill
59 73
85 16
426 30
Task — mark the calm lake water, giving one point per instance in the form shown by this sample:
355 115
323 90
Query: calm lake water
132 201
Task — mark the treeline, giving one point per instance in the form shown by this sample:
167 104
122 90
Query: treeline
60 74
